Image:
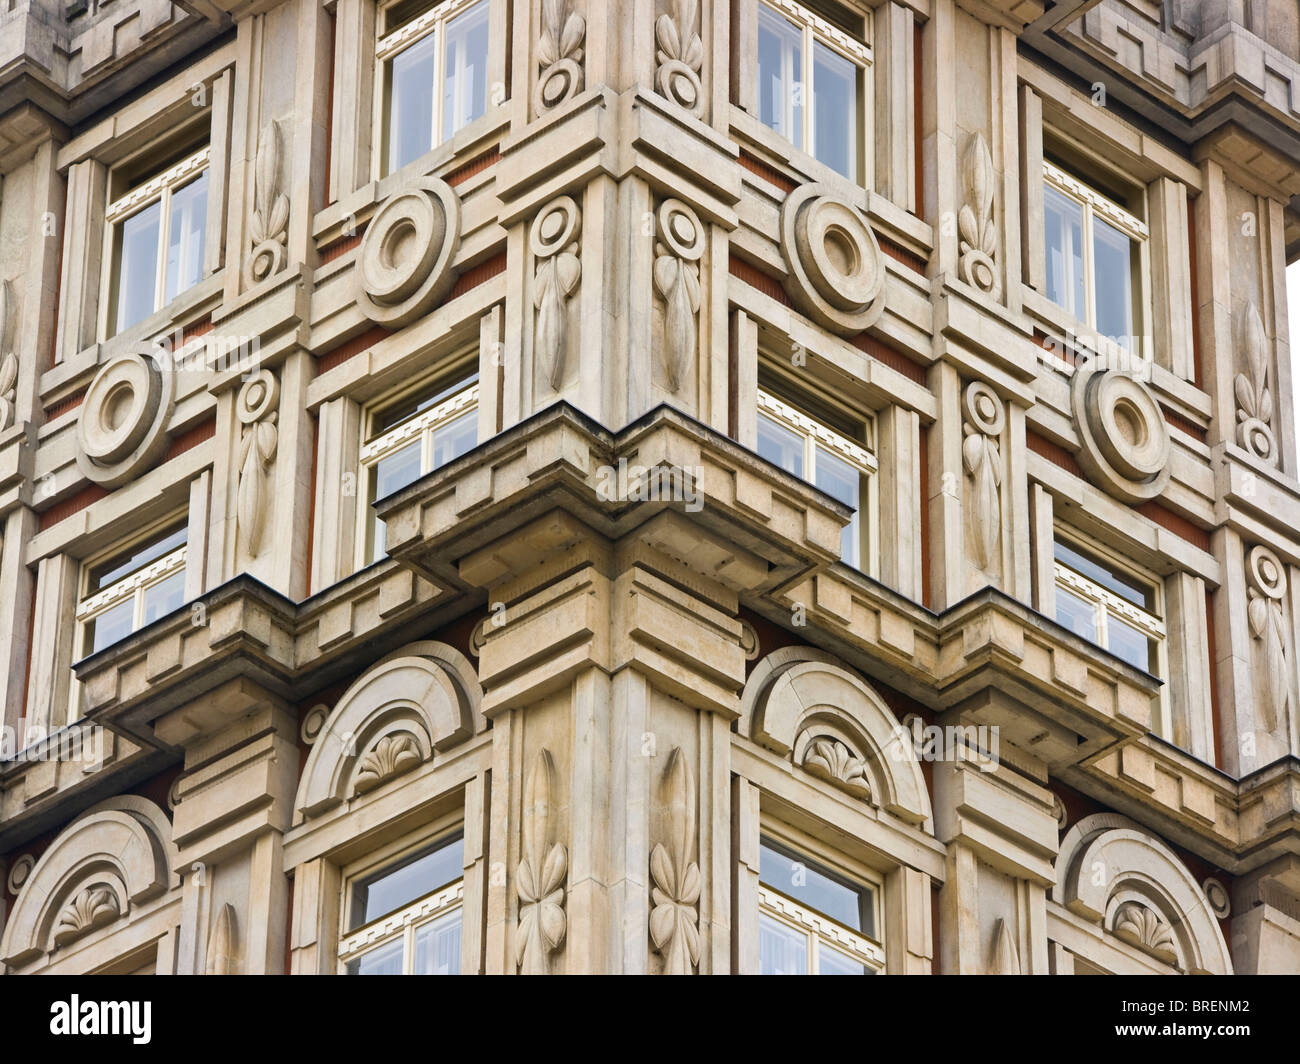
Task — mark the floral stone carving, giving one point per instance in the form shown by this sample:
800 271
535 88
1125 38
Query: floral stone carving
8 360
1124 441
1265 590
831 760
553 241
679 246
403 266
675 875
559 55
393 755
979 234
679 56
221 959
540 876
122 428
1251 387
836 274
982 424
1142 926
255 407
269 225
91 908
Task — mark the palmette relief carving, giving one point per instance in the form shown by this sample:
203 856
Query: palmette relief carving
675 875
222 959
1265 590
984 417
255 407
8 360
1142 926
392 756
269 225
979 234
680 56
1123 439
553 241
1252 390
539 879
122 424
92 907
831 760
679 246
559 55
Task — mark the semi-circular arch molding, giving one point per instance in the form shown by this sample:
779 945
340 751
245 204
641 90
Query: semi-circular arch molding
116 855
422 698
1113 872
794 691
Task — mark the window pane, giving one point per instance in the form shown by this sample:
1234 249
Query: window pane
806 884
410 102
1077 614
391 472
163 597
108 627
394 415
189 211
397 887
1112 264
843 481
1063 242
383 960
780 75
1131 644
454 439
781 949
113 571
835 110
833 962
137 266
437 946
464 92
780 446
1136 592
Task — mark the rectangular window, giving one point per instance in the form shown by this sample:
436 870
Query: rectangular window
1113 607
813 921
432 64
842 467
812 84
407 439
1094 256
406 919
157 231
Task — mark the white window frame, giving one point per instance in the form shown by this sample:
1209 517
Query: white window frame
1107 602
157 189
814 433
387 48
1092 203
423 425
815 28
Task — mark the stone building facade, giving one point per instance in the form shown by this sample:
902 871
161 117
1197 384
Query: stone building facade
662 486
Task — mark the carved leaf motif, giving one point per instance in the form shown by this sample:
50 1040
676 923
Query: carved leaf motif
675 876
832 760
559 55
542 921
267 169
93 907
1005 958
391 756
268 227
680 56
678 285
1145 928
982 460
975 225
1251 389
256 452
669 41
8 360
221 943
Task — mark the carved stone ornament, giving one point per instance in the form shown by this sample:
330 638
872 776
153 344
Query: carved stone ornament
403 266
19 872
121 431
559 55
255 407
1265 590
1004 958
553 241
1217 895
1251 386
539 879
679 57
222 959
979 234
836 274
90 908
830 759
679 246
391 756
269 226
983 419
1142 926
675 875
1123 438
8 360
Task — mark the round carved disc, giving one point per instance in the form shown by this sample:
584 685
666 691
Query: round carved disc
1124 441
122 427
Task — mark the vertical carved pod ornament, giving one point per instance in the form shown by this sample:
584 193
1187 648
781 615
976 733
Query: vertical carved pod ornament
1254 399
269 226
679 246
1266 580
554 244
255 407
674 874
979 235
983 419
540 877
559 55
221 943
679 57
8 360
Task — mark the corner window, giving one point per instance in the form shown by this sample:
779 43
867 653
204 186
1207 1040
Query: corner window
157 232
408 438
812 84
432 64
830 459
406 919
813 921
1094 255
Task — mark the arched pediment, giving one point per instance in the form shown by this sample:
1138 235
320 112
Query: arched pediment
422 698
114 856
1113 872
802 703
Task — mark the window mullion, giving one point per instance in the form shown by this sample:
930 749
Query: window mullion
164 235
